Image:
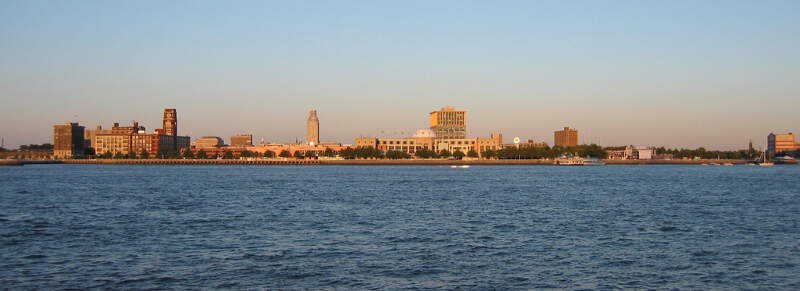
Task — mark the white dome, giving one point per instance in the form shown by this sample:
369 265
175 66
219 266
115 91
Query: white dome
424 133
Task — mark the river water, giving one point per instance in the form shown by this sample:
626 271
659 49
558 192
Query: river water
399 227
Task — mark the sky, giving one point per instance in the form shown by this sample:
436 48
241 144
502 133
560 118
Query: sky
650 73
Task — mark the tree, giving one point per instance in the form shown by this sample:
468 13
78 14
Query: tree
201 154
472 154
227 155
106 155
172 154
215 156
245 154
347 153
445 154
285 154
425 154
269 154
119 155
131 155
328 152
458 155
298 154
144 154
489 154
187 153
394 155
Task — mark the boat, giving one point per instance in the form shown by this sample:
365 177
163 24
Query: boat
728 164
574 161
764 162
578 161
593 162
461 166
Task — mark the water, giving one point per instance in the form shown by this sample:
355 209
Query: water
350 227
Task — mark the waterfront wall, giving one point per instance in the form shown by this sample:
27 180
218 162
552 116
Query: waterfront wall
411 162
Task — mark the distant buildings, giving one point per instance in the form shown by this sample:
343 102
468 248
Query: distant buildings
242 140
448 132
633 153
127 139
208 142
449 123
777 143
68 141
567 137
312 128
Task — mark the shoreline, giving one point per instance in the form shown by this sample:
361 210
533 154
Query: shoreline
410 162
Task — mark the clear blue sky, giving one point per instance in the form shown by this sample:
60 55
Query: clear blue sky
672 73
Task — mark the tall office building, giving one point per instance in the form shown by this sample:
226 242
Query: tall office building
68 140
170 122
449 123
312 130
777 143
568 137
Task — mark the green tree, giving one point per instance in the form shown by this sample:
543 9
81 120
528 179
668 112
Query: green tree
298 154
269 154
394 155
489 154
227 155
172 154
246 154
285 154
458 155
119 155
445 154
472 154
348 153
144 154
187 153
328 152
201 154
106 155
131 155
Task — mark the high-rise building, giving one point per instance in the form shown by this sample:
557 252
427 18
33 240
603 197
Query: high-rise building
777 143
170 122
449 123
568 137
68 140
312 130
242 140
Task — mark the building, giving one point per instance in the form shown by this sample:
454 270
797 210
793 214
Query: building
242 140
312 128
567 137
493 143
208 142
532 144
634 153
170 122
89 135
68 141
777 143
449 123
127 139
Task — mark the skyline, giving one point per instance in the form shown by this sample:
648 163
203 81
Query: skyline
714 74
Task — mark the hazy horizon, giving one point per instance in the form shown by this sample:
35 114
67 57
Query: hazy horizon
677 74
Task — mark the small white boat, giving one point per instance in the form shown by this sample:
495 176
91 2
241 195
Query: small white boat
727 164
593 162
461 166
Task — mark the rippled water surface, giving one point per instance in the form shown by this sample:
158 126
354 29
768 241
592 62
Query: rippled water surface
351 227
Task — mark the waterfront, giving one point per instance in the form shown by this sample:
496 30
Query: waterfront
520 227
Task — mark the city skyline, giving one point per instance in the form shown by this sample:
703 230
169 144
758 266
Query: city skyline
678 74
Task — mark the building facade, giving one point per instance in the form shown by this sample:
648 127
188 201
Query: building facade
242 140
170 122
208 142
449 123
312 128
778 143
127 139
68 141
567 137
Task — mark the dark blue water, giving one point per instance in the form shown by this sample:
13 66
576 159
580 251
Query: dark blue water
350 227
